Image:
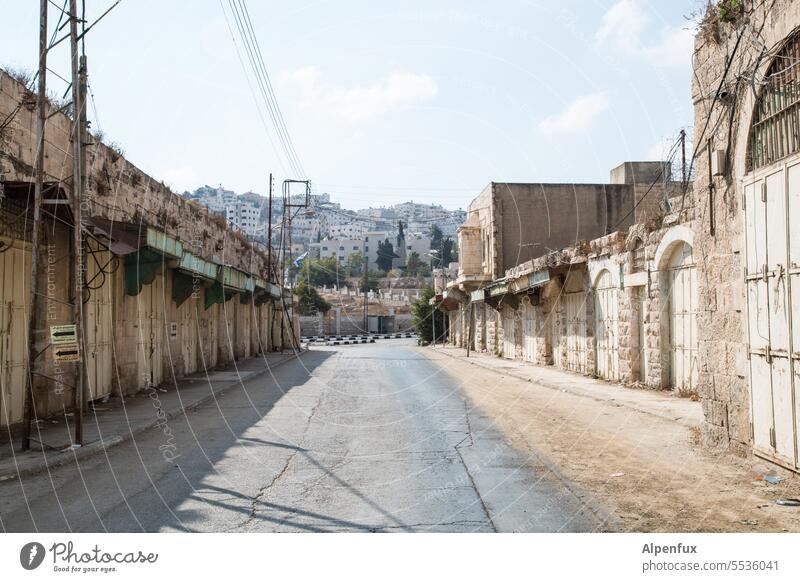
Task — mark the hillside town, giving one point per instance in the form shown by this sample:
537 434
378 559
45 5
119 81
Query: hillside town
610 350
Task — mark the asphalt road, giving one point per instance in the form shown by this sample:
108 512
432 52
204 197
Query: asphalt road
369 437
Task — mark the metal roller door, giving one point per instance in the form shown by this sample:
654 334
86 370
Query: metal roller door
150 315
190 331
100 272
607 321
14 280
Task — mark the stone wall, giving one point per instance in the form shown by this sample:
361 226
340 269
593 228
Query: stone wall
147 334
727 56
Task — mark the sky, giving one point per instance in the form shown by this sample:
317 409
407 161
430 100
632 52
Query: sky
384 101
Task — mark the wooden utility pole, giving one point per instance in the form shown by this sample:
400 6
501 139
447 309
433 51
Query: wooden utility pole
33 296
78 185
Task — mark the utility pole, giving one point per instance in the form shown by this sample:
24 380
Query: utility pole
41 104
433 314
78 185
269 231
471 326
366 288
683 156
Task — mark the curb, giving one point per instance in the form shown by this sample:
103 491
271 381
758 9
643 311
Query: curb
29 468
577 392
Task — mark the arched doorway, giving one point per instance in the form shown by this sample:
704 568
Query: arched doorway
607 326
683 318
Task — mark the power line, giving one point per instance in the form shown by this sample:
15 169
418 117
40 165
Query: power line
255 57
252 91
269 87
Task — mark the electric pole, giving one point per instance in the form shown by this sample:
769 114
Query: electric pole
41 104
78 185
366 288
269 231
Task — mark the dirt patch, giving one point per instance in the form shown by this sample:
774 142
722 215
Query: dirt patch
648 473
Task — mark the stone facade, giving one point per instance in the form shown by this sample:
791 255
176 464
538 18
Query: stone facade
134 339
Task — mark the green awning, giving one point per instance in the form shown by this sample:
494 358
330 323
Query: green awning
235 280
538 278
498 289
141 268
165 244
147 251
216 294
183 286
195 266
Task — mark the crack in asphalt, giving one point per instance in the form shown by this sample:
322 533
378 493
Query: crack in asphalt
466 467
262 491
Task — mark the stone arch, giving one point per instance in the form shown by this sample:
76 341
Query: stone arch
674 237
597 268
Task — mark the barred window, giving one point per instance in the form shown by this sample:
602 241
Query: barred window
775 132
637 256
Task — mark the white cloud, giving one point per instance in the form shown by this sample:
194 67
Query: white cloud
622 26
359 104
579 115
626 28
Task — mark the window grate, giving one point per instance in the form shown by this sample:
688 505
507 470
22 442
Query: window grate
775 131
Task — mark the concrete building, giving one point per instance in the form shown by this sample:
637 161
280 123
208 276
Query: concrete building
244 215
169 288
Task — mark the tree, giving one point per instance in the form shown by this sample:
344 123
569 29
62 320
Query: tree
385 255
372 281
436 237
423 315
309 301
413 264
355 263
319 272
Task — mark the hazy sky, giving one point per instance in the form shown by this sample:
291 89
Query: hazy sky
385 101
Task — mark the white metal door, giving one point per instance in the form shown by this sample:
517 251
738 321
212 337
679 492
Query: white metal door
189 334
150 316
509 347
100 274
14 279
793 270
528 334
683 319
576 331
607 334
773 259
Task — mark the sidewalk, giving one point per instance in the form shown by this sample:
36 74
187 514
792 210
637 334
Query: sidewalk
117 420
657 403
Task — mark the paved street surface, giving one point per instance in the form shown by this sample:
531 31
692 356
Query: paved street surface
374 437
